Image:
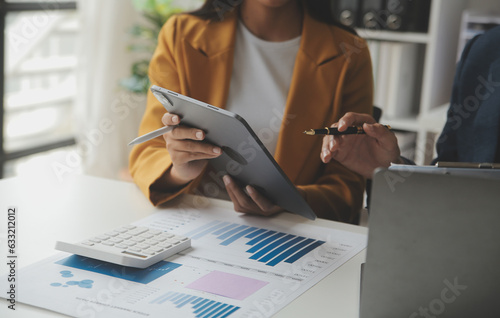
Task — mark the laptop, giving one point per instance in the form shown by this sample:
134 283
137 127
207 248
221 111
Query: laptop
433 246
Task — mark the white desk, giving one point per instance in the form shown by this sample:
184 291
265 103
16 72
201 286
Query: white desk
83 206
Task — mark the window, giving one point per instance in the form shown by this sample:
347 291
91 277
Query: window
38 58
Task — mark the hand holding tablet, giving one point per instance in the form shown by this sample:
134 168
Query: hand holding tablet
243 157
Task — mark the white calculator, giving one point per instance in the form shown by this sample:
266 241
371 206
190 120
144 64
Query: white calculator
133 246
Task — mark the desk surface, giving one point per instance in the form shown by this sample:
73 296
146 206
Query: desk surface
81 206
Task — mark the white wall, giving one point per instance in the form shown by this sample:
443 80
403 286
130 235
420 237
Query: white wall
485 5
188 4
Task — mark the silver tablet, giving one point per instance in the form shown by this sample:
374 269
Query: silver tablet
244 156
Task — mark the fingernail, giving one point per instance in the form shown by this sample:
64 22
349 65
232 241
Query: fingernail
226 179
250 190
199 135
216 150
175 119
325 153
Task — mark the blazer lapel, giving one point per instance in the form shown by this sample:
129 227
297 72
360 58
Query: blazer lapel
318 69
209 55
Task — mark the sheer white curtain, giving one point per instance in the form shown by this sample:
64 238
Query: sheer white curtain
107 116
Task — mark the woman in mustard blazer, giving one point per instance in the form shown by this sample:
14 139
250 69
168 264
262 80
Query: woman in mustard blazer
332 75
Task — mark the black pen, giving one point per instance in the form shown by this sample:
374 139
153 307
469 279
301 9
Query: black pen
353 130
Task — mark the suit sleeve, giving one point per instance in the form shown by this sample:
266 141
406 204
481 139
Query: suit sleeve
149 161
446 145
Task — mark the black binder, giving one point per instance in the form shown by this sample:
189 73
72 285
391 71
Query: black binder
373 14
408 15
347 12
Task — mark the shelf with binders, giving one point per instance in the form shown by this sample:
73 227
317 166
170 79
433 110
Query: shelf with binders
475 22
413 73
417 104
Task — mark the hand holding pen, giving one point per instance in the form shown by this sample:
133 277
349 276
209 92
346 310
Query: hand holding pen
189 152
360 144
352 130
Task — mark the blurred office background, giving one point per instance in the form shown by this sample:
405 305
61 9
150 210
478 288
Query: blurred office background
70 102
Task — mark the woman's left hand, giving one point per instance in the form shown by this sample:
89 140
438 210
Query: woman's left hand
252 203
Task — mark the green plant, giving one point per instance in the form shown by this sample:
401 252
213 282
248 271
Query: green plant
156 13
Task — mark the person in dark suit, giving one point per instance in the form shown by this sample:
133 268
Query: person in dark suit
471 133
472 129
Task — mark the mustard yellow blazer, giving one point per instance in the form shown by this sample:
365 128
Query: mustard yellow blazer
332 75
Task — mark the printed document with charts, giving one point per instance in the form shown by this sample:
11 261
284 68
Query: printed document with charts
238 266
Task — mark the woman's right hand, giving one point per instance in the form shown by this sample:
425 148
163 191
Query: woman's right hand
378 147
188 151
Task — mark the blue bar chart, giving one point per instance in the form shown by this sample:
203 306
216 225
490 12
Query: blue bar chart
265 246
138 275
202 307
